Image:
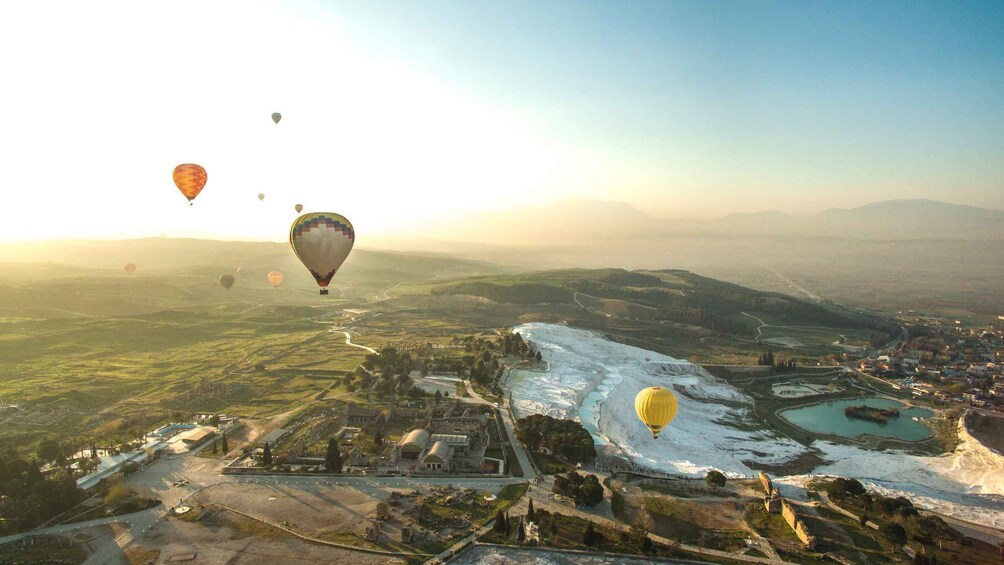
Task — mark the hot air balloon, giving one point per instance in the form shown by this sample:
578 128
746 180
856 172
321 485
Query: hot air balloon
190 178
275 277
261 196
130 268
322 241
227 281
299 208
276 117
656 408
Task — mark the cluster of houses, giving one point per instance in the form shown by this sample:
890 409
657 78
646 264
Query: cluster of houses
943 360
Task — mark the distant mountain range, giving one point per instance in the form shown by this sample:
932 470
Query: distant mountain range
577 222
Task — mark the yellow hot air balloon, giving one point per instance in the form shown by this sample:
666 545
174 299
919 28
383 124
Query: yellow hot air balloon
656 408
298 208
130 268
261 196
275 277
190 178
322 241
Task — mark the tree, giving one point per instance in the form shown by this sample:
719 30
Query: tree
529 511
715 479
333 457
214 446
116 494
224 442
438 395
266 456
646 545
49 450
378 438
589 536
894 532
499 525
521 532
539 357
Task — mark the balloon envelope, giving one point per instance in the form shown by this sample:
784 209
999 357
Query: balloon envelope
656 408
276 117
190 179
275 277
299 208
261 196
130 268
227 281
322 241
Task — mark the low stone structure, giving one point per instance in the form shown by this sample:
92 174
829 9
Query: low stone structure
796 524
772 501
768 487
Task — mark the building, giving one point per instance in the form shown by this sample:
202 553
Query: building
359 416
439 458
413 444
425 452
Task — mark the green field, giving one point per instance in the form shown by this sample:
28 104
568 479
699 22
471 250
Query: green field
92 354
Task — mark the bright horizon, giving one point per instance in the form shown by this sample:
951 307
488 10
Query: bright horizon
404 115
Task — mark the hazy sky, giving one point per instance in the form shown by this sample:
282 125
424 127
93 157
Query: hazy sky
400 114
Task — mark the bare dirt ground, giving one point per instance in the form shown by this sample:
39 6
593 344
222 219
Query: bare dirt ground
220 536
315 509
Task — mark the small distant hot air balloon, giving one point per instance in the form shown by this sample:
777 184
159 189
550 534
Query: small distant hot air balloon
656 408
275 277
190 178
227 281
261 196
299 208
322 241
239 271
276 117
130 268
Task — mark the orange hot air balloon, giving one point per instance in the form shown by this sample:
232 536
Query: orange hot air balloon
190 178
298 208
130 268
275 277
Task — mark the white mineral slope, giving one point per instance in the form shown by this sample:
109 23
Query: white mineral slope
595 380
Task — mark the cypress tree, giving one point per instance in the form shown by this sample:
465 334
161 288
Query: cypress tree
266 456
333 457
529 512
224 442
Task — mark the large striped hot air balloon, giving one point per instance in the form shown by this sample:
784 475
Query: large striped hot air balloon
190 179
322 241
656 408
